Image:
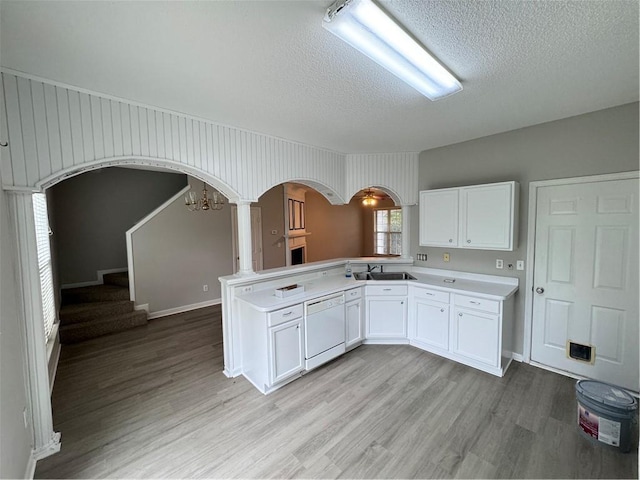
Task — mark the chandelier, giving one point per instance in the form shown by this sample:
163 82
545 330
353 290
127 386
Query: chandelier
215 202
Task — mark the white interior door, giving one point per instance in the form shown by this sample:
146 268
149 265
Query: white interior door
586 279
256 239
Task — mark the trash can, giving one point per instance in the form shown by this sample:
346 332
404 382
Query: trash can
606 414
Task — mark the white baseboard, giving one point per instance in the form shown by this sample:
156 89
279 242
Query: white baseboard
144 306
185 308
99 279
101 273
30 471
232 373
517 357
80 284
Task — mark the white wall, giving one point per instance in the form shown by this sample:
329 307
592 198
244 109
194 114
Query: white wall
15 439
178 251
596 143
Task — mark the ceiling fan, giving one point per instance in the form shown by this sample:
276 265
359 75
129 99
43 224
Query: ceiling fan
369 197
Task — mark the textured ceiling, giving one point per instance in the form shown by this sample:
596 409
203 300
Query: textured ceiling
270 67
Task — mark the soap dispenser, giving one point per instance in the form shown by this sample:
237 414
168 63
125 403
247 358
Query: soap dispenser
347 270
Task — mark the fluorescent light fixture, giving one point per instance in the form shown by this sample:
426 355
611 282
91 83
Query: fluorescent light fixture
364 26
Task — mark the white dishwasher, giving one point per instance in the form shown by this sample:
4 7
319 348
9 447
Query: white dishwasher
324 329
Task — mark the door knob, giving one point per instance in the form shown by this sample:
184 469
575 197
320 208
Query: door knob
540 290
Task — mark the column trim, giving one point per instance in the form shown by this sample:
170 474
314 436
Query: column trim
45 441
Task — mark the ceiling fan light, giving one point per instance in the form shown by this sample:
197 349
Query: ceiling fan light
366 27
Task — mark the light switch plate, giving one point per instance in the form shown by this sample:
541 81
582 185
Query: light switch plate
520 265
446 257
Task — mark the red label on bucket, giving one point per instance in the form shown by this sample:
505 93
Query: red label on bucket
602 429
588 422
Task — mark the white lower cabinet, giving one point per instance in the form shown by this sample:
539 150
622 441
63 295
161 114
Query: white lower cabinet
286 356
272 346
477 336
430 324
386 313
472 330
354 334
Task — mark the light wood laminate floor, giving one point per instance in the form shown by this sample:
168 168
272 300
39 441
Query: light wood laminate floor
153 403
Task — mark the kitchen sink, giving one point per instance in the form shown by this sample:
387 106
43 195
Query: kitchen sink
383 276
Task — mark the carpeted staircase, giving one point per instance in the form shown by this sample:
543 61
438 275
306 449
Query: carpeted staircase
89 312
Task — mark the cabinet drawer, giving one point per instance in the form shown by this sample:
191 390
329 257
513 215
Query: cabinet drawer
387 289
491 306
428 294
284 315
353 294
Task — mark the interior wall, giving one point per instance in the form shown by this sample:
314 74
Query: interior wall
15 438
92 212
596 143
367 225
335 230
273 245
177 252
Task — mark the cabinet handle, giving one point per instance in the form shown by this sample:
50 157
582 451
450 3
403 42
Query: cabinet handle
297 326
431 294
459 314
287 314
451 240
474 303
442 309
468 241
386 289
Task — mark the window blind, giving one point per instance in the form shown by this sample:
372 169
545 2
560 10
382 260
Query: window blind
44 262
388 231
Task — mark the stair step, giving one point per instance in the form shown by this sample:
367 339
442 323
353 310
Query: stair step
78 332
82 312
96 293
119 278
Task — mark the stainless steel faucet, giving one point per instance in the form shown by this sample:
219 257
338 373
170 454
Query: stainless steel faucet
372 268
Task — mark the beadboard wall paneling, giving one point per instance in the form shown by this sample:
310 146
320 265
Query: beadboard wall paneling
396 172
55 131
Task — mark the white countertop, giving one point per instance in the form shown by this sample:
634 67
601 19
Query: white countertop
488 286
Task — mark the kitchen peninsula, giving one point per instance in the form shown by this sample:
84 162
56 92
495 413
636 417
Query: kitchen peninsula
272 340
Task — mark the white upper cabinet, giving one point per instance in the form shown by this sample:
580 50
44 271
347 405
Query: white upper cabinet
439 217
482 217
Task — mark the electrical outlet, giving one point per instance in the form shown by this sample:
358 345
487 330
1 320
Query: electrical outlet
520 265
446 257
324 273
499 264
205 288
247 289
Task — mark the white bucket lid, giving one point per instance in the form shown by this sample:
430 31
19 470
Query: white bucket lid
606 394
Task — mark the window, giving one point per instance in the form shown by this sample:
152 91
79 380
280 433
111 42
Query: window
44 262
387 228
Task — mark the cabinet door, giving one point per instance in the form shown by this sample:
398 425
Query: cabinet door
355 330
285 351
486 216
476 336
431 323
439 218
387 317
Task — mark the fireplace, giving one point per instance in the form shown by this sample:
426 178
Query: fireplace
297 256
